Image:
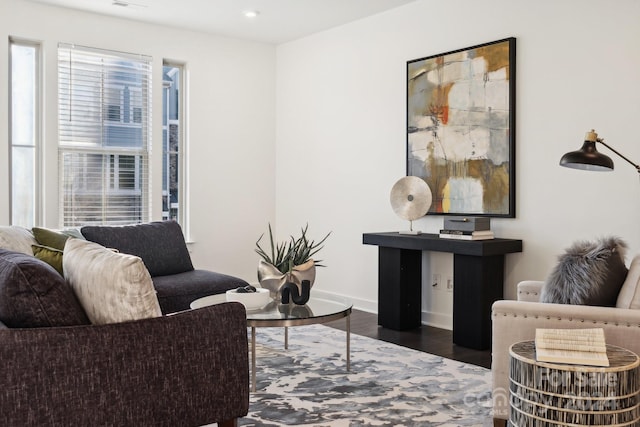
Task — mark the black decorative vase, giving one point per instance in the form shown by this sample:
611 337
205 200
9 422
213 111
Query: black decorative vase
290 290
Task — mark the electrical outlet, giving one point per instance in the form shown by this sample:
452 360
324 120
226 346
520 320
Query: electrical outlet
450 284
435 282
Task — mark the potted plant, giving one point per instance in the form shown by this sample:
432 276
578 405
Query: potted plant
289 261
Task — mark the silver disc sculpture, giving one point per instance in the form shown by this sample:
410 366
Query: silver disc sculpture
410 199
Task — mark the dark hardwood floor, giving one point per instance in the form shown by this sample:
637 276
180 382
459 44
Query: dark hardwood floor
425 338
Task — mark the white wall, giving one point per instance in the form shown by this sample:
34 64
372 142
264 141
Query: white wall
341 111
314 130
231 112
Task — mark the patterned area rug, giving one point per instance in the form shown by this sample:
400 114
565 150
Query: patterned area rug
388 385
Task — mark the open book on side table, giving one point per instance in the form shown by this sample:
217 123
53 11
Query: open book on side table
572 346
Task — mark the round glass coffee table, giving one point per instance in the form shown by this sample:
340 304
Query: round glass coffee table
315 311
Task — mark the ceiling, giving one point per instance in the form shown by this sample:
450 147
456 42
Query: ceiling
278 21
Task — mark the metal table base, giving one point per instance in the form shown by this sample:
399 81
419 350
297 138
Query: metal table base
296 322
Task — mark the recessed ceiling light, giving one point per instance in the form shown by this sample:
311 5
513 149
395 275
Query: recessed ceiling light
251 13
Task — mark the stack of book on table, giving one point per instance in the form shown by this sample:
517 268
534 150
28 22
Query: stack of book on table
466 235
572 346
467 228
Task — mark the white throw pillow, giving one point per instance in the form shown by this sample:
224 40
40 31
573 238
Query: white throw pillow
17 239
112 287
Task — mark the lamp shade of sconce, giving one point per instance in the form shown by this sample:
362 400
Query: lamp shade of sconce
589 158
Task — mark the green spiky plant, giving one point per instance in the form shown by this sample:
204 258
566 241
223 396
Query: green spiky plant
296 251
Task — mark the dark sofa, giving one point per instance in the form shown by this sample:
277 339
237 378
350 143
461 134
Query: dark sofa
184 369
187 369
163 250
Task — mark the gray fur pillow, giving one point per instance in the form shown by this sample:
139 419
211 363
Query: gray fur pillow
588 273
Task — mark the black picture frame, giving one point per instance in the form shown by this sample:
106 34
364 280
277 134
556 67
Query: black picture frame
461 111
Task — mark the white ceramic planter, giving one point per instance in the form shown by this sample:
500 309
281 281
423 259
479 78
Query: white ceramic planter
273 279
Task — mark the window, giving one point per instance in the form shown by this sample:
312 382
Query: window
104 101
113 113
24 93
172 136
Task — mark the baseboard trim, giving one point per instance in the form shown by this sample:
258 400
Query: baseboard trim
358 303
437 320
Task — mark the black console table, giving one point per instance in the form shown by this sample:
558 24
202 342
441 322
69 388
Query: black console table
478 280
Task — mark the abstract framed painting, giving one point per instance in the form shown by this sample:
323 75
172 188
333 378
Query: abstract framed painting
461 128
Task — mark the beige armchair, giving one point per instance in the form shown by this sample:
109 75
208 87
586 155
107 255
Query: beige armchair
515 321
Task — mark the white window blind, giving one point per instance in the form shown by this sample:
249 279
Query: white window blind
104 108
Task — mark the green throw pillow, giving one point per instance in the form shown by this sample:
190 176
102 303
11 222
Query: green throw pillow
51 256
50 238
